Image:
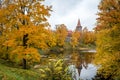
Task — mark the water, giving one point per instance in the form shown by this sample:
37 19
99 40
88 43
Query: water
80 63
86 74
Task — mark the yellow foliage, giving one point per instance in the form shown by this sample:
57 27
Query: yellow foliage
51 39
31 54
108 39
88 36
75 39
22 27
17 54
9 43
61 34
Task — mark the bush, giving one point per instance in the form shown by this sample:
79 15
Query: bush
56 70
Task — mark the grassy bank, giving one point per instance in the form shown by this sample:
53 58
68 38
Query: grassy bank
10 73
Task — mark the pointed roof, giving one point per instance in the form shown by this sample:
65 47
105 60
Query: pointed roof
78 27
78 24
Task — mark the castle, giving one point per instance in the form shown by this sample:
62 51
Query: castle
78 27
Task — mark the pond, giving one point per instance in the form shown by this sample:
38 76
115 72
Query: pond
80 63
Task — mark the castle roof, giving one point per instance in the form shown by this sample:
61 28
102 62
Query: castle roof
78 27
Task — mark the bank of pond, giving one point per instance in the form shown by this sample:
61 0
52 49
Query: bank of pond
67 65
80 63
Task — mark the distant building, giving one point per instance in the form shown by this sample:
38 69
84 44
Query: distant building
78 27
68 38
69 33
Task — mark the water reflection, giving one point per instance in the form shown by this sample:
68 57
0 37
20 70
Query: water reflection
81 62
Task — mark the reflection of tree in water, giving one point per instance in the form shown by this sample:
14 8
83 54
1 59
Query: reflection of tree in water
81 60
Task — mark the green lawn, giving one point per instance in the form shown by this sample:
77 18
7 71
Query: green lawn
10 73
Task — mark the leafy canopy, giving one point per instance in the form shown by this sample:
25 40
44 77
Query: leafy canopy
22 29
108 39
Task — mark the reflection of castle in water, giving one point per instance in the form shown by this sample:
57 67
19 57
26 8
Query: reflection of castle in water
80 61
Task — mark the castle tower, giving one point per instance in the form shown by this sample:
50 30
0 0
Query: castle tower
78 27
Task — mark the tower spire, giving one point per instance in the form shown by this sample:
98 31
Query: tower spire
78 27
78 23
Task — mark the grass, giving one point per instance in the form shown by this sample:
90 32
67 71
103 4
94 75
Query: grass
10 73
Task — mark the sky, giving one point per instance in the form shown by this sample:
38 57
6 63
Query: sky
69 11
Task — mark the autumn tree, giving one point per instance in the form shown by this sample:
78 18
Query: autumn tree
22 29
61 34
108 39
50 39
75 40
88 37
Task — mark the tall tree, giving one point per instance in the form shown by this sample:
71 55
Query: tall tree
22 24
88 37
61 34
75 40
108 39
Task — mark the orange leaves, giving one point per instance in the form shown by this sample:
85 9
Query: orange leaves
20 18
108 39
75 39
76 34
9 43
74 42
38 39
109 14
89 37
28 29
16 55
61 34
30 54
51 39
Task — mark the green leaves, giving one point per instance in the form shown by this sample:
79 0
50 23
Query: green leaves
55 71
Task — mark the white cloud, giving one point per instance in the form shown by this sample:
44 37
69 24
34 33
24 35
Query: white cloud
68 11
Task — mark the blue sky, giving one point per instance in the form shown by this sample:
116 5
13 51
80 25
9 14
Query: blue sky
69 11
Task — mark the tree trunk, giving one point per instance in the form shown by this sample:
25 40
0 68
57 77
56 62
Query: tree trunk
24 64
25 39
